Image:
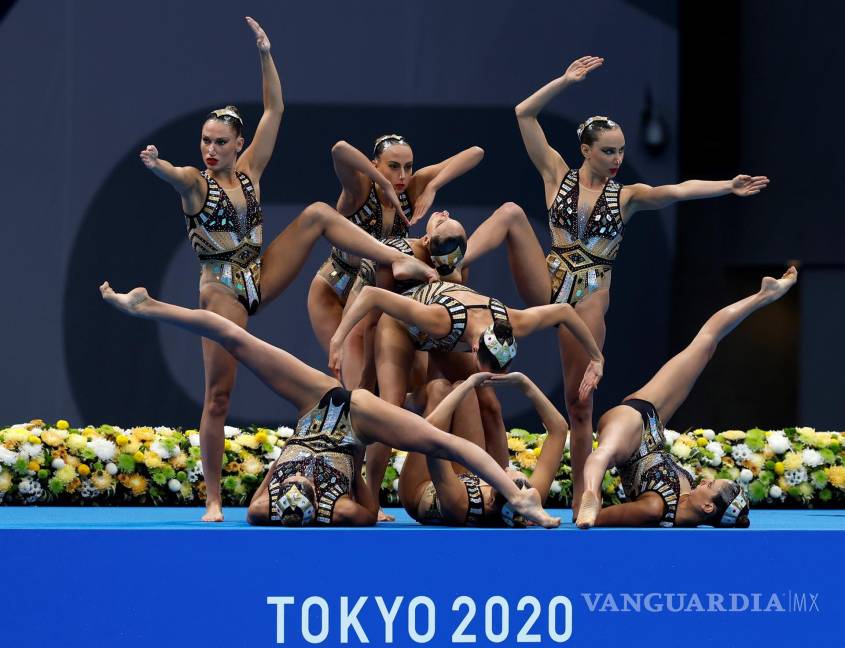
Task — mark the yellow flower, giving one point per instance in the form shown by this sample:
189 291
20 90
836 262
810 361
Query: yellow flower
595 443
152 459
76 441
102 480
733 435
526 459
34 466
792 461
53 437
247 441
687 441
66 474
272 439
754 463
227 445
516 444
71 460
5 481
252 466
234 447
784 485
681 450
121 439
143 434
132 447
138 456
73 484
706 472
536 451
83 470
136 483
836 475
779 468
261 436
34 440
36 423
15 436
702 441
62 424
179 461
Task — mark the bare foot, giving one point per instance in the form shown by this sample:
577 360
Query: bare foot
131 303
410 267
213 512
384 517
773 289
529 505
588 511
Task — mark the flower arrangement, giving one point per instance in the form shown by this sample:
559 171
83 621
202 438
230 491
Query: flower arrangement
42 464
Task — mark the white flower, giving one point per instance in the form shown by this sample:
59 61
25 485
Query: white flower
555 487
716 448
31 451
775 492
230 431
395 485
88 491
111 469
273 454
194 439
620 491
399 462
195 473
681 450
165 431
745 475
58 463
812 458
174 485
778 442
708 434
103 448
795 477
566 444
30 489
671 436
160 449
8 457
741 452
284 431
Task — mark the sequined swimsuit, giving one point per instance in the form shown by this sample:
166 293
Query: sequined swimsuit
439 293
341 269
650 467
475 503
228 243
323 448
584 246
401 244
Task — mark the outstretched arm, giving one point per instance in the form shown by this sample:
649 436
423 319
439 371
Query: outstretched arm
254 160
434 320
441 416
182 179
533 319
645 511
643 196
548 161
427 181
549 461
355 172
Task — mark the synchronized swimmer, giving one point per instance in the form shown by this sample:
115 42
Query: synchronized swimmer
383 297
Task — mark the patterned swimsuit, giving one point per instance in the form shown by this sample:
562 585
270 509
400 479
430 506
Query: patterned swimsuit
228 243
439 292
323 449
340 270
475 503
584 246
650 467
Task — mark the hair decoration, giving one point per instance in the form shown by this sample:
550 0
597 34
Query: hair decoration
386 141
446 263
595 118
223 113
294 500
504 352
734 509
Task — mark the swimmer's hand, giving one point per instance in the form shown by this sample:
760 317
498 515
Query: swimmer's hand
149 156
336 356
261 39
746 185
423 204
580 68
590 382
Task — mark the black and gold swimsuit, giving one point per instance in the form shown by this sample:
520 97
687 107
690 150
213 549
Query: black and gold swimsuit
650 467
475 503
584 245
228 242
439 292
322 448
340 270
